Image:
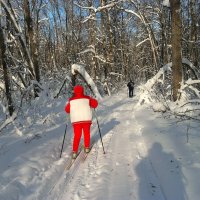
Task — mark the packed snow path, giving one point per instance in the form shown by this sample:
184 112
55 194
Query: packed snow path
149 156
117 174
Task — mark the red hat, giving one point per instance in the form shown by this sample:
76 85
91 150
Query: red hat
78 89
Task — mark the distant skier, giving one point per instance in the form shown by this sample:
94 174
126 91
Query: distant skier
130 86
79 107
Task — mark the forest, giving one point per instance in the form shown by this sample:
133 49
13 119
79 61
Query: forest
153 42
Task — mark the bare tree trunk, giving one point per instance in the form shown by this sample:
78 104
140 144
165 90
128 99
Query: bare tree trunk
92 42
164 52
176 48
17 28
73 38
5 70
107 39
110 39
152 40
31 38
193 34
150 33
104 52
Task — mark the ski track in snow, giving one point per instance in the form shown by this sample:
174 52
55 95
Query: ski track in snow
147 157
115 175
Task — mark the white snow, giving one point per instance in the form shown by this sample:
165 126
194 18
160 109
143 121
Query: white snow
166 3
2 86
149 156
81 69
142 42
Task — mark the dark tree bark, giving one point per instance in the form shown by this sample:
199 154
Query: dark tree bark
176 48
92 42
193 34
31 40
12 18
107 39
5 71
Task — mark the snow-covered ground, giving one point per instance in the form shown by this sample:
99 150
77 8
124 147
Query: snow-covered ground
148 156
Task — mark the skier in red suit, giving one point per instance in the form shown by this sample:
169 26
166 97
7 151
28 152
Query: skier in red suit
79 107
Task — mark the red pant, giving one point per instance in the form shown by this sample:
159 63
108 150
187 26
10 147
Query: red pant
78 128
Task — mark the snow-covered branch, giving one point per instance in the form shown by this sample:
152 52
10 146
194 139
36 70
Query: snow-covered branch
192 67
90 49
116 74
101 58
90 17
189 98
19 33
133 12
100 8
190 82
147 88
80 68
18 28
166 3
142 42
9 120
2 86
150 83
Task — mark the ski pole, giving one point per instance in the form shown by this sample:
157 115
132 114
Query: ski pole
99 131
63 141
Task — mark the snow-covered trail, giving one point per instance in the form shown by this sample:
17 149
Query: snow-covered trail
147 156
118 174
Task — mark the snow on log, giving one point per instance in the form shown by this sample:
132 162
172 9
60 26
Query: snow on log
166 3
9 120
194 69
145 97
147 88
80 68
